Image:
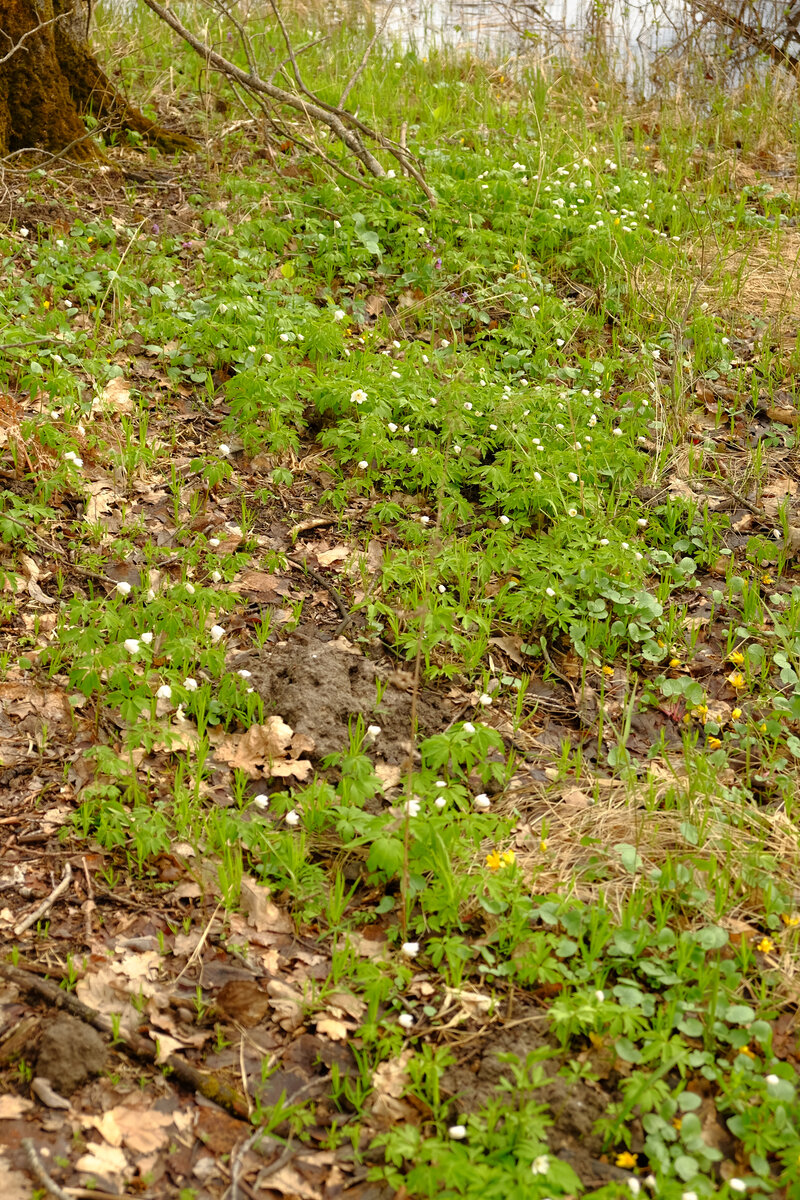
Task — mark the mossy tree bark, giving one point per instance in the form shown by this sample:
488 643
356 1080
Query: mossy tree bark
49 78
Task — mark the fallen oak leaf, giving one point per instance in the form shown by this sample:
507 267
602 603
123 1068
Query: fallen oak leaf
336 1030
262 750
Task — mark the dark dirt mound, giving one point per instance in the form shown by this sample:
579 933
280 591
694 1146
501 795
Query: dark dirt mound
320 688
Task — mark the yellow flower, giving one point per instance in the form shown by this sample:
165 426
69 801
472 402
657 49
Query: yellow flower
616 220
765 945
676 1123
714 743
90 239
736 679
596 1039
46 304
495 859
763 727
736 657
737 712
543 845
626 1160
608 670
674 662
766 579
792 920
746 1051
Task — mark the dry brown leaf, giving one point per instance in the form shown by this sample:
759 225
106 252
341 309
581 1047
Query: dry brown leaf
391 776
13 1107
100 1159
287 1003
260 585
783 416
261 912
679 490
116 397
289 1182
512 646
779 489
574 798
257 748
104 991
389 1081
339 1003
143 1129
336 1030
292 768
337 554
13 1184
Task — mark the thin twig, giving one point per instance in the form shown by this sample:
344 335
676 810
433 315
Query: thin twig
333 120
354 78
39 1171
30 33
338 599
47 904
90 905
299 50
345 125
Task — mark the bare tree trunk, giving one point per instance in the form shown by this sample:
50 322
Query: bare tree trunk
49 77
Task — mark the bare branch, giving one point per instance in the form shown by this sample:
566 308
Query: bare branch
256 84
31 32
343 124
359 71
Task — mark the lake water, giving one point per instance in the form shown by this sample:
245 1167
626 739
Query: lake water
644 39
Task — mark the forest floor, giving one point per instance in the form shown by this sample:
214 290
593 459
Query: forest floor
400 653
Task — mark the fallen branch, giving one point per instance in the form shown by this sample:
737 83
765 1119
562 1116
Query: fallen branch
346 126
39 1171
204 1082
47 904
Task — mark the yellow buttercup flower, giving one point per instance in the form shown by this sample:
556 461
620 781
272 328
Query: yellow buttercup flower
737 712
736 657
765 945
736 679
791 920
746 1051
714 743
496 859
626 1160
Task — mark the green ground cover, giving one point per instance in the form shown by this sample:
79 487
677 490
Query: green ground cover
551 419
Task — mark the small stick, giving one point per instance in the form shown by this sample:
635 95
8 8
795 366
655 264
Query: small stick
314 574
90 905
39 1171
47 904
311 523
